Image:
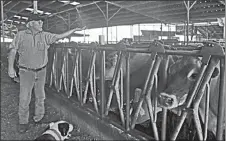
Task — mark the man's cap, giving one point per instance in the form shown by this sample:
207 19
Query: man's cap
35 17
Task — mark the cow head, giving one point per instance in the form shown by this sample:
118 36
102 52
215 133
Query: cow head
110 65
181 78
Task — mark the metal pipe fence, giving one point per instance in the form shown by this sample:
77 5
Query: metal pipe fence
69 73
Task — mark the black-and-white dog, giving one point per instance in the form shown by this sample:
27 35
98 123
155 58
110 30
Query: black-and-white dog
56 131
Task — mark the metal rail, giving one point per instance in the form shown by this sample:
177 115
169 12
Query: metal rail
147 48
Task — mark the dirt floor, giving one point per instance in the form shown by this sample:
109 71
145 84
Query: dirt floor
9 109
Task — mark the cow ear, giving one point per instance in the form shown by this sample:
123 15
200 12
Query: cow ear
215 73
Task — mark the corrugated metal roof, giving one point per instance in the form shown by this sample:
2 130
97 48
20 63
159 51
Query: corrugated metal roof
93 14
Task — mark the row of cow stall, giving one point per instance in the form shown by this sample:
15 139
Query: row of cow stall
79 72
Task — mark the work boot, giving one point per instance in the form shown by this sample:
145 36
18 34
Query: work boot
23 128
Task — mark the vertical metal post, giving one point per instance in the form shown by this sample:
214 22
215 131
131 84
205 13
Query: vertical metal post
221 103
116 35
127 91
168 32
84 37
224 26
161 30
47 24
66 59
111 35
80 76
188 103
138 32
35 6
163 82
107 20
102 84
2 15
188 19
131 31
184 32
69 24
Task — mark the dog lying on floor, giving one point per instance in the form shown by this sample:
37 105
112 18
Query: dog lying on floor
56 131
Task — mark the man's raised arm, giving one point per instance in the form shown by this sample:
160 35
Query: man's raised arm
63 35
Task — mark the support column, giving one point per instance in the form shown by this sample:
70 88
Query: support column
2 15
131 31
184 32
84 37
35 6
116 35
161 30
188 20
107 20
188 7
69 25
138 32
111 35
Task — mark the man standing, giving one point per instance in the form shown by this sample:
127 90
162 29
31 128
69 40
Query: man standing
32 45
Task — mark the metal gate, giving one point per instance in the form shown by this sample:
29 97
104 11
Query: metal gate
68 76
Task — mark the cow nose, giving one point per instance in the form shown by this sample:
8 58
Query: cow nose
169 101
166 100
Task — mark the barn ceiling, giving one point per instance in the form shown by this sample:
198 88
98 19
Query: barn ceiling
94 14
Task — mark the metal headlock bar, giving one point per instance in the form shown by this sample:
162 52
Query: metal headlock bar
211 52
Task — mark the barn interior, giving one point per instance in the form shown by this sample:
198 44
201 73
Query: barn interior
197 21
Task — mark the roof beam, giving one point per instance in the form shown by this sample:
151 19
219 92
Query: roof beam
46 4
100 17
91 9
22 9
101 11
169 9
29 4
16 13
196 17
135 11
153 6
7 3
13 6
179 12
77 6
62 5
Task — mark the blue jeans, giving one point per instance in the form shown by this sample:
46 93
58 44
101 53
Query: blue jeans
28 80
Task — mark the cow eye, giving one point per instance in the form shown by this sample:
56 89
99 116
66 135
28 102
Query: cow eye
193 76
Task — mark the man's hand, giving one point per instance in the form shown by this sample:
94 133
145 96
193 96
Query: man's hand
63 35
11 72
78 29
